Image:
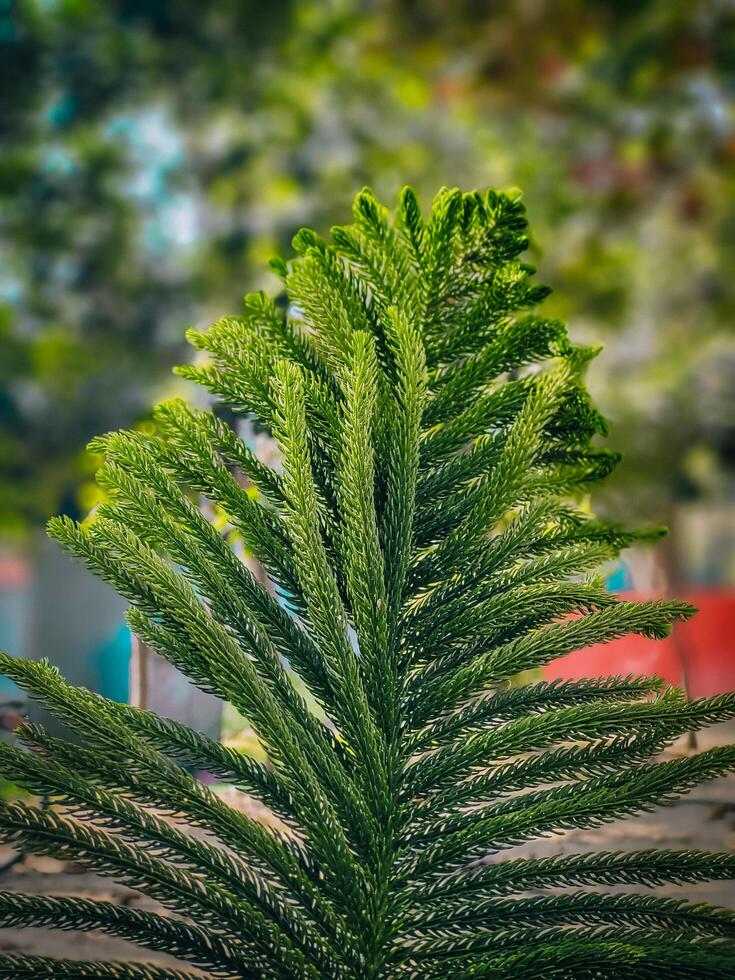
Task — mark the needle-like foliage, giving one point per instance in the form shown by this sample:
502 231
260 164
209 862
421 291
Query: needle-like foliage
425 543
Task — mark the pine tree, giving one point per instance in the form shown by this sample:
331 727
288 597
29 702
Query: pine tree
426 544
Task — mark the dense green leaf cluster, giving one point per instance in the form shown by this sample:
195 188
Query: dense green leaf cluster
424 547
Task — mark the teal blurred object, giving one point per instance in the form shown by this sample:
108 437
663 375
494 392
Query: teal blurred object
619 580
113 665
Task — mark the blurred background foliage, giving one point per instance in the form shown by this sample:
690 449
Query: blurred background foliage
155 153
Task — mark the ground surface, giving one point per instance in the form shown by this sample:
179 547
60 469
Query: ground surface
706 819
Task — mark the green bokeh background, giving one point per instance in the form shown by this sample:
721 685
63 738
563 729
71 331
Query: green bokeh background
155 153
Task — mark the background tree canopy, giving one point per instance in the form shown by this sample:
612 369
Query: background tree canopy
155 153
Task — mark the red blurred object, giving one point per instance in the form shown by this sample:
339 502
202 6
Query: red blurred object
700 654
10 720
14 573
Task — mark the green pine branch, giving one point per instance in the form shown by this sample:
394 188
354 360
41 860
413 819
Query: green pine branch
424 541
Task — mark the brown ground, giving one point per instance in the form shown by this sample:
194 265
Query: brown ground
705 819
